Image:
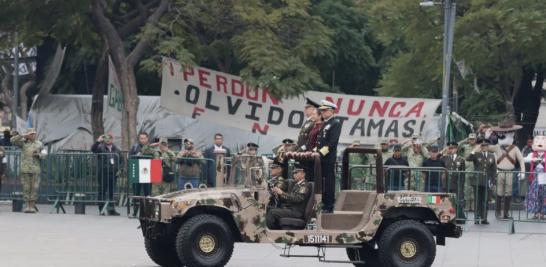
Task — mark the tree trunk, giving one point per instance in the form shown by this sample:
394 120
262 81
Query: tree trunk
125 64
23 98
97 100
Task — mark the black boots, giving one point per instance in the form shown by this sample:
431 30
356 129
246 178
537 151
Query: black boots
507 203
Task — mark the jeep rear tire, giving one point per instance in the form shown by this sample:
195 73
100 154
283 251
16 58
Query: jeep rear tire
366 254
406 243
162 252
204 240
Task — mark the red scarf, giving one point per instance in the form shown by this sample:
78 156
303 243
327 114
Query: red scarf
535 155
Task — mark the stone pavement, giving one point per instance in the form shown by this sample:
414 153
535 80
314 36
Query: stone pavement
67 240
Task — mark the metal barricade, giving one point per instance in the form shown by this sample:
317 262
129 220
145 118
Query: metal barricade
69 178
10 184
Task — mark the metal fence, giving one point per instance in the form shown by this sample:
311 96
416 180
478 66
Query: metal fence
83 177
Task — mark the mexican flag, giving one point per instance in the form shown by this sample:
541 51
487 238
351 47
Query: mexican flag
434 199
145 171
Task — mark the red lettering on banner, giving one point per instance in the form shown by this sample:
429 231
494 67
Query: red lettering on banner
203 78
381 110
337 102
234 89
266 94
351 111
221 81
249 91
394 113
187 71
197 111
417 109
256 128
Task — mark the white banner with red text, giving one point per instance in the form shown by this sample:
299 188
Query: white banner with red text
227 100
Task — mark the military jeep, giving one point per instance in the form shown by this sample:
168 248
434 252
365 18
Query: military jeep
198 227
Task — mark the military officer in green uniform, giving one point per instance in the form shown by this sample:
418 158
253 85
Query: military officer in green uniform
455 164
486 163
31 153
467 146
276 180
168 158
310 112
292 204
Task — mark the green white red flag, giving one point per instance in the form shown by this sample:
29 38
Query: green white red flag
145 171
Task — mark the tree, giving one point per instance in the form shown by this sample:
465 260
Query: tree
351 64
501 41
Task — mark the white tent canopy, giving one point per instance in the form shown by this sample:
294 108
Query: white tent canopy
64 122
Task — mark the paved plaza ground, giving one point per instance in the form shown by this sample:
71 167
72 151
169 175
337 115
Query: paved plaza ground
67 240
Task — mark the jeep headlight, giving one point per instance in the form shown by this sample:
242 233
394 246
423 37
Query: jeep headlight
157 210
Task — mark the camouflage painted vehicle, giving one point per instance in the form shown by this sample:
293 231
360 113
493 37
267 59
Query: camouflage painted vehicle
198 227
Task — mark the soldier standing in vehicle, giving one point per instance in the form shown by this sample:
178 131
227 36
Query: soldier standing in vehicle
327 142
277 180
486 163
292 204
303 137
108 156
167 157
456 166
31 153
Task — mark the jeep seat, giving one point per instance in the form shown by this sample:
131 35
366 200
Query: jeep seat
300 223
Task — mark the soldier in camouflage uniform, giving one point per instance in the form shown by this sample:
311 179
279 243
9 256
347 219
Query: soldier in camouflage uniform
385 153
167 157
292 203
416 153
190 166
31 153
468 145
249 166
277 180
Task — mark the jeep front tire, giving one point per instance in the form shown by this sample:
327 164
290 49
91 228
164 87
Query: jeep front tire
162 252
406 243
204 240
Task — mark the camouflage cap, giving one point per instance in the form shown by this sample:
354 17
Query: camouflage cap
163 140
472 136
31 131
188 140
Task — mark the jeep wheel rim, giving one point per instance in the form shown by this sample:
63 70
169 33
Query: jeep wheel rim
408 250
207 244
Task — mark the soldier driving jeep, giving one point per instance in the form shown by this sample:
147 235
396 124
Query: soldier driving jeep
292 204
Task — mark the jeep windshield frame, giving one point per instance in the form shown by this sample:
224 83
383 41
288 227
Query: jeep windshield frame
346 181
